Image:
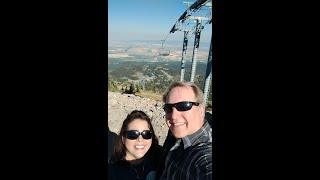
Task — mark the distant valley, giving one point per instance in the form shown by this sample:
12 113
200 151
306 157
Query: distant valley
141 64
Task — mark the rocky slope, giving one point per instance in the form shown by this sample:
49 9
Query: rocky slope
120 105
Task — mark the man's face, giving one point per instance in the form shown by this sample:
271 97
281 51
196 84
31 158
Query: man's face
183 123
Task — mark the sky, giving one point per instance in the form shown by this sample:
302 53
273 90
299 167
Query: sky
148 20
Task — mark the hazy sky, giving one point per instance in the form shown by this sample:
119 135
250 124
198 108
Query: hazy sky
148 20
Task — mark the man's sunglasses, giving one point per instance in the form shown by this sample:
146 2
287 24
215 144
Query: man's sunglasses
180 106
134 134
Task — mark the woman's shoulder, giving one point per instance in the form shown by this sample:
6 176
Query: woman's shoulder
156 151
154 156
158 147
118 172
117 169
117 165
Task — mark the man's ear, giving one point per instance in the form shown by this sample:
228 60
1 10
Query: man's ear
201 110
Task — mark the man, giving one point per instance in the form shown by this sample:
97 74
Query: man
187 151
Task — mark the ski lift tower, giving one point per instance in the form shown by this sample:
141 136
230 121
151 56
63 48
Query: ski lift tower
195 6
187 15
184 47
198 4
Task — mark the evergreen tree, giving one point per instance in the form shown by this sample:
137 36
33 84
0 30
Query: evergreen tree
138 88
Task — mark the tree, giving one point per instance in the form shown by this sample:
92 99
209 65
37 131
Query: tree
138 88
112 86
131 90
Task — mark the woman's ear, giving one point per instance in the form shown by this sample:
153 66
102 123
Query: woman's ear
122 139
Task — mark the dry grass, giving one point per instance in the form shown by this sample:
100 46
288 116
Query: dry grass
150 95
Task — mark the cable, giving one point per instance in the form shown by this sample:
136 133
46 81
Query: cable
191 10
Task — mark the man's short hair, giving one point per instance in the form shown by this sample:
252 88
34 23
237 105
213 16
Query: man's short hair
197 91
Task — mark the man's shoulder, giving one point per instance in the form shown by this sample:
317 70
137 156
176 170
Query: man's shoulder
203 147
202 152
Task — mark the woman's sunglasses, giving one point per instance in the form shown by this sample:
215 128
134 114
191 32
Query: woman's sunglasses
134 134
180 106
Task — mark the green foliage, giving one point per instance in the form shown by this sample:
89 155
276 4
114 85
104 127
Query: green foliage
138 88
128 88
112 86
209 105
131 90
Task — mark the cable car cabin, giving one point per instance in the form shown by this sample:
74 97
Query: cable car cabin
164 51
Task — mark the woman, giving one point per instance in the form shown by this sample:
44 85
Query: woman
136 150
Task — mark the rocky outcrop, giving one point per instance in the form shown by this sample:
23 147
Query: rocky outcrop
120 105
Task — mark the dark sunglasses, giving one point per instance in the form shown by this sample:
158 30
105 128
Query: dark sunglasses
134 134
180 106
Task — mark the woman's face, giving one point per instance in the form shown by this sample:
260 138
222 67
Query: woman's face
137 148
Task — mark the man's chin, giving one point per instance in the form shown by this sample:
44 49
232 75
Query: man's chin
177 134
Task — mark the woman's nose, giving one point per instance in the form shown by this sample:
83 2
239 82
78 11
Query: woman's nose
140 138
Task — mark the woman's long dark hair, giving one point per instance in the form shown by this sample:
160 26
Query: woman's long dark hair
119 151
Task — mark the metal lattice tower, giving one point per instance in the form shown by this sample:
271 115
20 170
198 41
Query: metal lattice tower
208 76
184 19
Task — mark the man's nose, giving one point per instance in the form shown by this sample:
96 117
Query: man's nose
174 113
